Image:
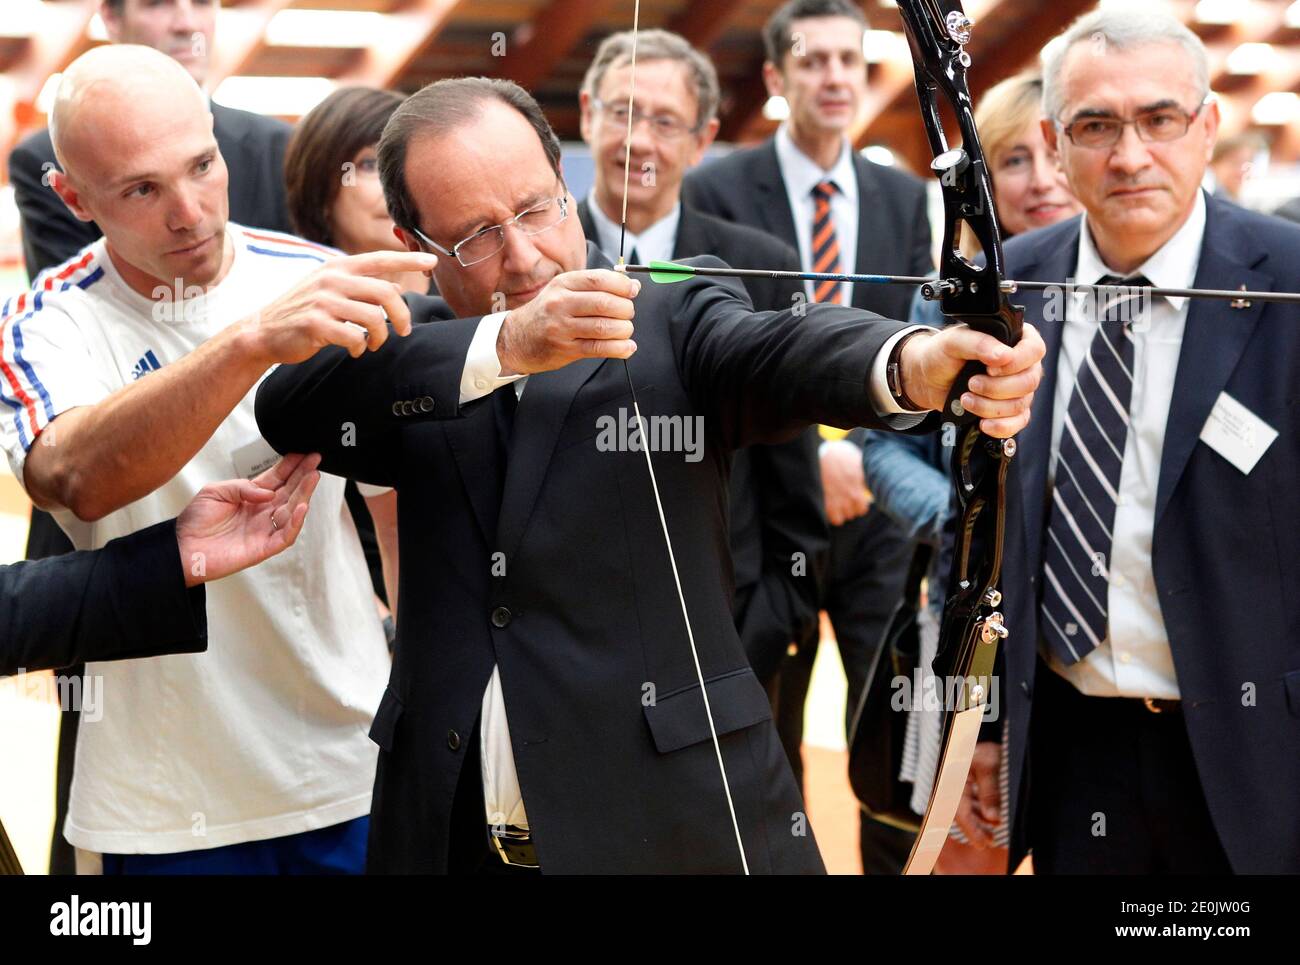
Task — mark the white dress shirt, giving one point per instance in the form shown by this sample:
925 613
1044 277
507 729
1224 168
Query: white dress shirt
1135 659
502 796
656 243
801 174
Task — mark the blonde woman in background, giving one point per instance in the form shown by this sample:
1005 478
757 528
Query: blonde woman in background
909 475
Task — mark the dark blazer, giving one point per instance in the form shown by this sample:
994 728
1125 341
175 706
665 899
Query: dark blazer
1226 548
126 600
252 145
579 611
776 490
746 187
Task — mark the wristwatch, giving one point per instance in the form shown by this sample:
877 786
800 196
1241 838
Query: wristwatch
894 372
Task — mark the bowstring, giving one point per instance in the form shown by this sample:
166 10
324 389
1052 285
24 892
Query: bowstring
645 447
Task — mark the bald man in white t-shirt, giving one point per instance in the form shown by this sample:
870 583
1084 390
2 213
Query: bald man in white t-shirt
126 380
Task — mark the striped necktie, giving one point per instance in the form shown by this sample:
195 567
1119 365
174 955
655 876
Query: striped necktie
1090 457
825 246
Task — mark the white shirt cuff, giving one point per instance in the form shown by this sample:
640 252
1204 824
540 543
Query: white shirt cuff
878 382
368 491
828 443
482 374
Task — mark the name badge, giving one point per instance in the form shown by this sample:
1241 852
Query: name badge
1236 433
254 459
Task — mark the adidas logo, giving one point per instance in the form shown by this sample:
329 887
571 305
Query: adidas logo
148 363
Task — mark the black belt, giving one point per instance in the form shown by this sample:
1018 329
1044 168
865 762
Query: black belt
1150 705
514 845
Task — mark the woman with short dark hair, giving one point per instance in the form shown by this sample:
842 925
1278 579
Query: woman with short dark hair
334 196
331 171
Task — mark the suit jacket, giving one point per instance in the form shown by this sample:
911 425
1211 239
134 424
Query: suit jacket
553 567
1226 547
126 600
746 187
253 147
776 491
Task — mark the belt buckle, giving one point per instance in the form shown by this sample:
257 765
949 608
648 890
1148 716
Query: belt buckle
514 845
1160 705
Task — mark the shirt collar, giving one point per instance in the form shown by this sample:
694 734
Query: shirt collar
802 173
657 240
1173 265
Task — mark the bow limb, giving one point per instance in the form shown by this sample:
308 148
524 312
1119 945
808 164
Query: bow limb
972 293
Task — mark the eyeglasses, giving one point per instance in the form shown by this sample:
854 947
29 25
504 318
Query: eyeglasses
1161 124
486 242
663 125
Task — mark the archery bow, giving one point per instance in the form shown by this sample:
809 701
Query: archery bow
937 33
667 272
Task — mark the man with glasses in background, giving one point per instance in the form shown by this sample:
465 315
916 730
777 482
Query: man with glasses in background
1153 678
778 531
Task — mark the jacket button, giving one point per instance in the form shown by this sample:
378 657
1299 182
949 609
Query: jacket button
426 404
500 617
1024 685
453 740
397 408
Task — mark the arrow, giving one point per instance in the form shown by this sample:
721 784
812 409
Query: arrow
668 272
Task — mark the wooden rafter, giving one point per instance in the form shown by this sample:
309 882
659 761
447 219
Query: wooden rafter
554 33
413 30
703 23
241 33
51 48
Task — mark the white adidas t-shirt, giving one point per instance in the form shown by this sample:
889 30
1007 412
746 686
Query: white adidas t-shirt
265 734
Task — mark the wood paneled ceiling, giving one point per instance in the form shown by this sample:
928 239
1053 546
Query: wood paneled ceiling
546 44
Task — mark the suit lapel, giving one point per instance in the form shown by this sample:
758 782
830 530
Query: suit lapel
542 410
693 236
872 250
588 222
774 203
1213 341
227 127
472 441
1036 440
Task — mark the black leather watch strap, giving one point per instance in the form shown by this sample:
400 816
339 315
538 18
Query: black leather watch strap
894 373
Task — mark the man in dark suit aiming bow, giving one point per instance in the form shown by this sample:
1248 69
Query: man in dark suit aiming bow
544 706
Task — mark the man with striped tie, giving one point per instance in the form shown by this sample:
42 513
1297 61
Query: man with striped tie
841 212
126 380
1153 679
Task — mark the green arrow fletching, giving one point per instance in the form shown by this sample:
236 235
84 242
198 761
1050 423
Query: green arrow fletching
667 272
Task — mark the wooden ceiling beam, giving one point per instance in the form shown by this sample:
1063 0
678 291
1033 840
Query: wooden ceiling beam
552 36
52 47
241 33
704 23
412 30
